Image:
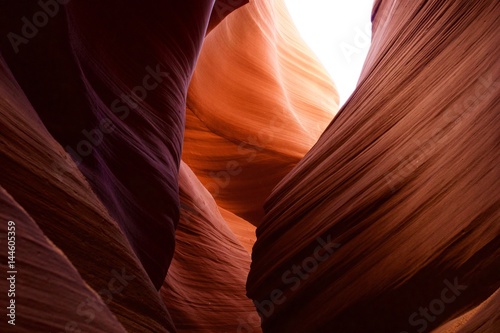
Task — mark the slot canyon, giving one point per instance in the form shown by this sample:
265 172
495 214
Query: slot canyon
187 166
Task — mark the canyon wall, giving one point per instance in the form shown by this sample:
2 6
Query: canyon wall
390 222
166 163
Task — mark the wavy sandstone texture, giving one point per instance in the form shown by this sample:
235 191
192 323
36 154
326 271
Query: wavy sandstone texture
124 76
140 138
48 267
205 286
258 101
66 210
404 182
112 91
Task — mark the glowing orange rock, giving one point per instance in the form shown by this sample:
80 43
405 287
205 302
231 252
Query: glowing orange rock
257 102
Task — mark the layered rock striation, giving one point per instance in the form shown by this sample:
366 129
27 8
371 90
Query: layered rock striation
403 186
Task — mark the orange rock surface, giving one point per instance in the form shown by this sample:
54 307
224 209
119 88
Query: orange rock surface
257 102
404 183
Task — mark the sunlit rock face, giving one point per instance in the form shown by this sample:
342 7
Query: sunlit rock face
390 222
257 102
237 131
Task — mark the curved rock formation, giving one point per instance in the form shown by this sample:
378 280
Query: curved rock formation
205 286
118 109
397 205
258 101
47 184
389 223
39 263
115 101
